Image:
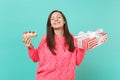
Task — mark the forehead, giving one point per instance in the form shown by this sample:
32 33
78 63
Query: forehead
56 14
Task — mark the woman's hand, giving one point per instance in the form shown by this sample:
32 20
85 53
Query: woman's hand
27 41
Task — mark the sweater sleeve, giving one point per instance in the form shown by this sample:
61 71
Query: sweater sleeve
34 53
80 53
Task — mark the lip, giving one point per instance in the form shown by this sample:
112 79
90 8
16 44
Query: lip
56 23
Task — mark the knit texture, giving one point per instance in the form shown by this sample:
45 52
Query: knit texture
61 66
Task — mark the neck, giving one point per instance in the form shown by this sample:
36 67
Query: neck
59 32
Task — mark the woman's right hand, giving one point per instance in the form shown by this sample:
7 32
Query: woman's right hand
27 41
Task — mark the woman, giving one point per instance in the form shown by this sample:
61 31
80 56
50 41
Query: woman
57 52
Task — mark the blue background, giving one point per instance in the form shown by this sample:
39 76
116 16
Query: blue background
17 16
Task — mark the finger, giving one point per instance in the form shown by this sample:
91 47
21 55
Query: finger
26 41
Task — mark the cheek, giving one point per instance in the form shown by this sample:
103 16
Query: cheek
63 22
51 23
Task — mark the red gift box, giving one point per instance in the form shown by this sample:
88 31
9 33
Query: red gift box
89 43
91 39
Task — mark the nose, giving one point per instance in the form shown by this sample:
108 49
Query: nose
56 19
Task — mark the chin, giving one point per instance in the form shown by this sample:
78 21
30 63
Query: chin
58 27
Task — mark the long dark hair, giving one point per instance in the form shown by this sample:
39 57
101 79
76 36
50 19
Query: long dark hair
50 35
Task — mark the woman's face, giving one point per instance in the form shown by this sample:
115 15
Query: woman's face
57 20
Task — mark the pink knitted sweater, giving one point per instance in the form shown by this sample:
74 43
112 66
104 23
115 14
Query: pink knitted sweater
56 67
